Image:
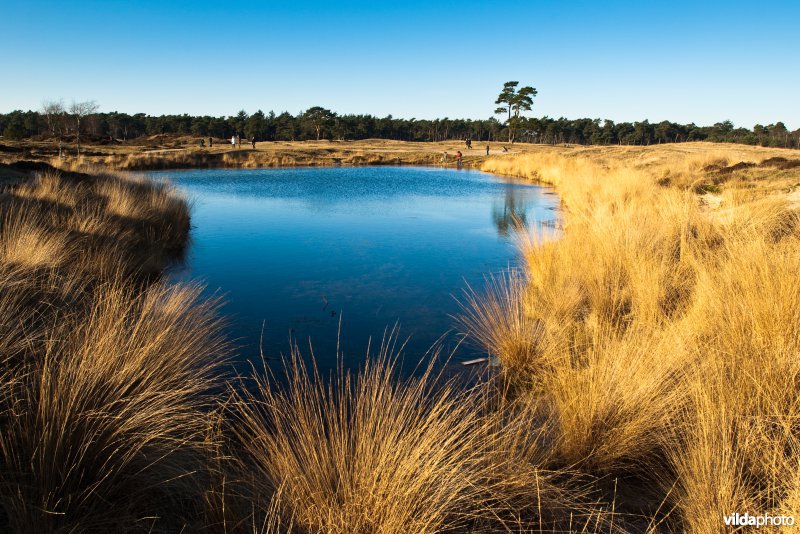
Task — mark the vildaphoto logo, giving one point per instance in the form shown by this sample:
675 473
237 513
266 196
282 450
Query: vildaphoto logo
758 521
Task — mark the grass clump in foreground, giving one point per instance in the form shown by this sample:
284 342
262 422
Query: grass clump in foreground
665 353
372 452
648 372
105 372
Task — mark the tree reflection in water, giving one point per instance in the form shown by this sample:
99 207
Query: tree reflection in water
514 211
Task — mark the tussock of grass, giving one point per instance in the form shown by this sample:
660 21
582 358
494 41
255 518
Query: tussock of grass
104 380
28 244
499 319
373 452
107 428
672 334
364 453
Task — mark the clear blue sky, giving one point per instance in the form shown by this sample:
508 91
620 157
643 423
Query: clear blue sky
693 61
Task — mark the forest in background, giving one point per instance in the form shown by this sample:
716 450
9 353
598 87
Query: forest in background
56 121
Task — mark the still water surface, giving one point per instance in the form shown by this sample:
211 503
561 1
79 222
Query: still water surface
299 250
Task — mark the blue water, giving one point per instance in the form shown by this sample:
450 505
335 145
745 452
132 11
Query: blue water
311 253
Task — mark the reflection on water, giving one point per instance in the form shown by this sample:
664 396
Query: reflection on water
514 211
305 252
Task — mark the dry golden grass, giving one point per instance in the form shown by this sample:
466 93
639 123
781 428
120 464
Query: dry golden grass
678 162
373 452
266 154
648 375
365 453
104 380
27 243
666 343
123 222
107 432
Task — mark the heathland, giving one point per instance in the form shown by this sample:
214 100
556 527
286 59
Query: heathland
648 351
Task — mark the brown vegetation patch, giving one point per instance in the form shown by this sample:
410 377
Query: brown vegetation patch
666 351
104 372
781 163
736 167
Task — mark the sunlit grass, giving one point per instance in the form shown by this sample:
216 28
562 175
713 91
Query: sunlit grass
647 380
672 328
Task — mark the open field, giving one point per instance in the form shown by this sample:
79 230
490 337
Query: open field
162 152
649 364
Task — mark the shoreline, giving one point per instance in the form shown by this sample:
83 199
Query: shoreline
181 153
267 155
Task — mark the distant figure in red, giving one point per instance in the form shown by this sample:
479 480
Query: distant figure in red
458 159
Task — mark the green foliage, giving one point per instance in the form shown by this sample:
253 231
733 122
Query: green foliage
317 118
514 102
269 126
15 129
254 127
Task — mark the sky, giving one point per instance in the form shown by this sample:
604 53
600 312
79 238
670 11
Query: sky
695 61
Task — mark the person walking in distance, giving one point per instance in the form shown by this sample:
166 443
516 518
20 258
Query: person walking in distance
487 150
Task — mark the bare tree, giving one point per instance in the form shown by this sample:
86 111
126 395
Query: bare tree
53 111
81 110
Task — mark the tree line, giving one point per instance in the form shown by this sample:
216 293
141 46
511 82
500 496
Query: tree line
54 120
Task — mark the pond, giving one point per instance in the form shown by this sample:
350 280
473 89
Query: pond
336 255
